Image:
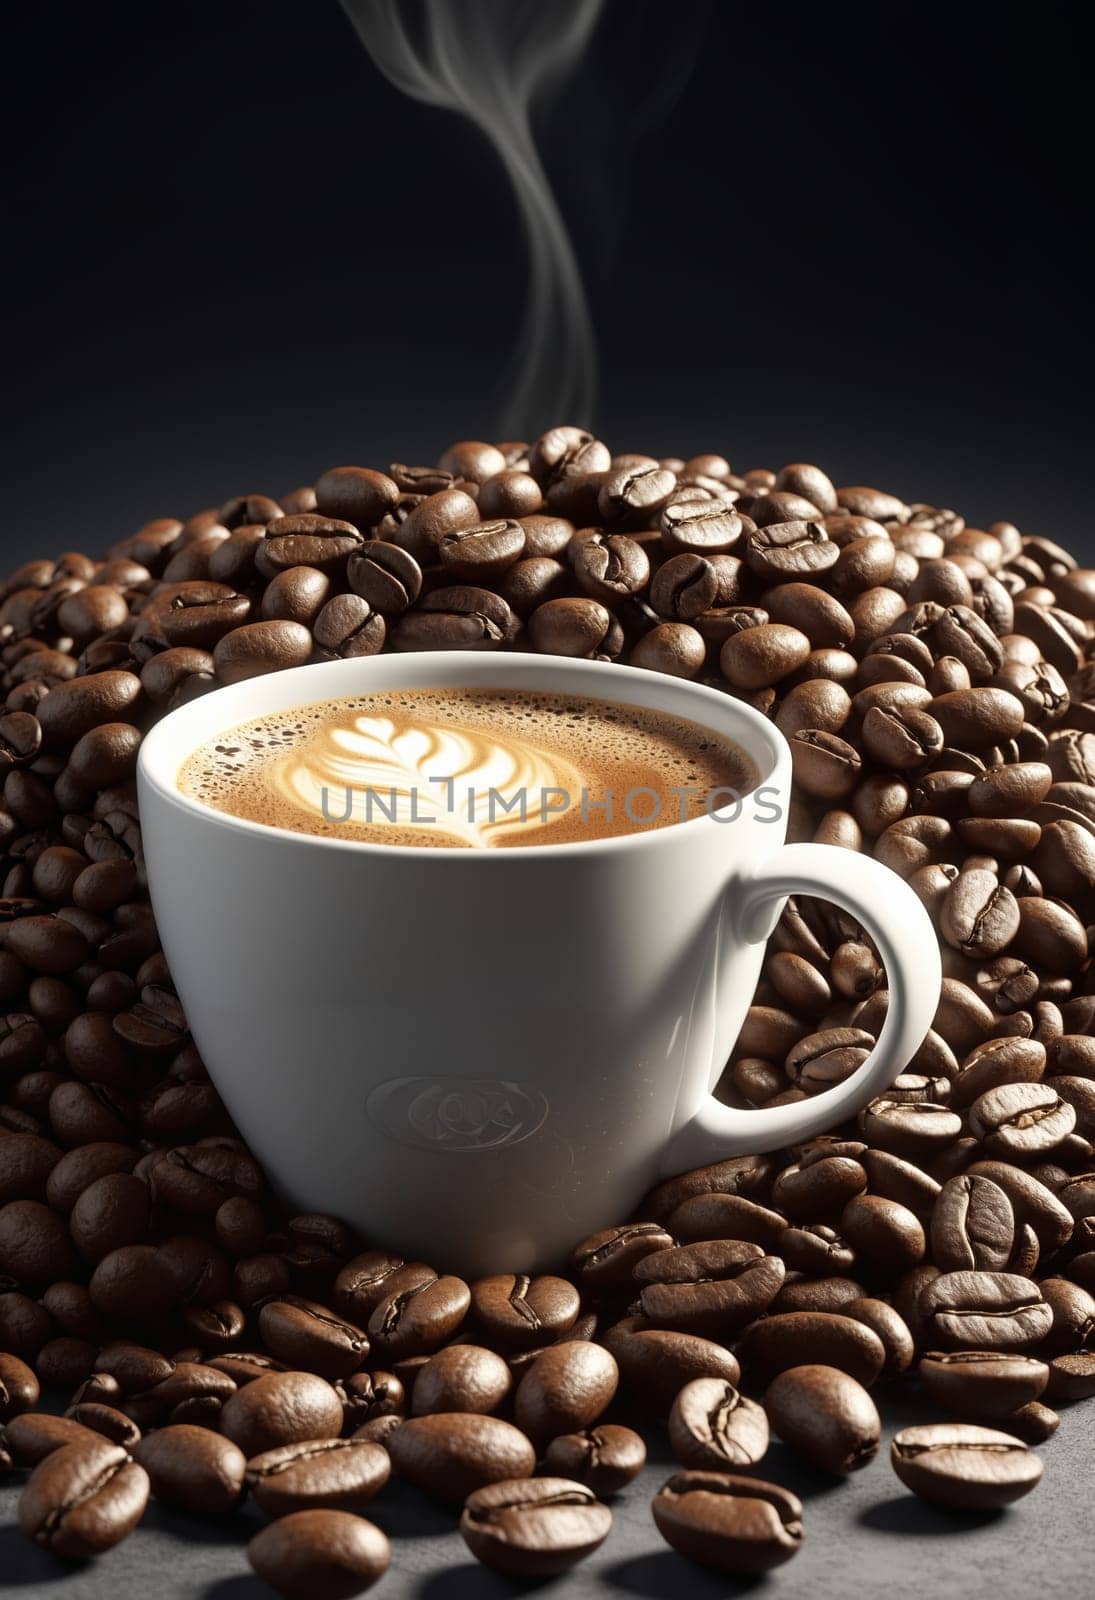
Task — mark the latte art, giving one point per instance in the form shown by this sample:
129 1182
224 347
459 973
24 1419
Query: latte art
468 768
472 782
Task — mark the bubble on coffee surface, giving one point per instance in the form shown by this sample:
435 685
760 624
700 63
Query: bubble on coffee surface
463 767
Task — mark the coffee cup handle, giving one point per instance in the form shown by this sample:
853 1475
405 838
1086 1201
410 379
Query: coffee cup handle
907 944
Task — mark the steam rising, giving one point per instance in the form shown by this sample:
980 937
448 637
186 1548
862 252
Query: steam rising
493 61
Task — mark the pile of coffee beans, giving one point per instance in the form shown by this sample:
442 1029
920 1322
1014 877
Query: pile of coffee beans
937 686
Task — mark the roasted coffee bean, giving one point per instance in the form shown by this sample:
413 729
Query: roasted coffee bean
463 1377
972 1226
1071 1377
729 1522
193 1469
320 1555
823 1059
318 1474
261 647
886 1236
34 1435
605 1458
716 1216
787 1339
825 1416
418 1318
1021 1120
83 1499
891 1328
534 1528
984 1310
759 657
986 1384
461 617
712 1425
816 1250
133 1367
306 1335
281 1408
567 1387
909 1130
963 1467
356 494
821 1189
106 1420
18 1387
519 1313
347 627
656 1363
604 1262
711 1288
451 1454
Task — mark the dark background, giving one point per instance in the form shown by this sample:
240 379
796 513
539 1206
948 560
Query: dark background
240 256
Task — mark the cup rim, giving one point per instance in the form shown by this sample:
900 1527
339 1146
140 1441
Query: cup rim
176 735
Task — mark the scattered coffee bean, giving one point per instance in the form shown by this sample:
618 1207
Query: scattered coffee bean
320 1555
712 1425
964 1467
734 1524
534 1528
825 1416
606 1458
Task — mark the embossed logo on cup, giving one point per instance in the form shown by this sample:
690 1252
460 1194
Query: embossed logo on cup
456 1114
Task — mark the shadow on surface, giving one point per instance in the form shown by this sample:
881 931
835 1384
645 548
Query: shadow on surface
244 1586
905 1514
22 1562
470 1581
666 1573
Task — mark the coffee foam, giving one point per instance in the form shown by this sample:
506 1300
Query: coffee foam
439 767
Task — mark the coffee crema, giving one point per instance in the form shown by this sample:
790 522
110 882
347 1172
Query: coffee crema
477 768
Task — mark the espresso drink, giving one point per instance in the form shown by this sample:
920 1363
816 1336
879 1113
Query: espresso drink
468 767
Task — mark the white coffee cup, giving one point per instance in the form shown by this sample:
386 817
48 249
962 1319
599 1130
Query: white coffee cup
480 1056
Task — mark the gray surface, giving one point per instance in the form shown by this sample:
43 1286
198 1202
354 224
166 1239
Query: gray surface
865 1536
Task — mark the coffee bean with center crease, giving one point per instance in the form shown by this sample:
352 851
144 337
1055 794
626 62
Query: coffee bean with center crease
901 737
732 1523
369 1278
788 1339
461 617
781 552
534 1528
304 1334
320 1555
606 1458
972 1226
712 1425
419 1316
603 1263
711 1288
825 765
106 1420
825 1416
963 1467
1021 1120
193 1469
385 575
518 1312
318 1474
450 1454
281 1408
347 627
482 552
700 527
984 1310
83 1499
308 540
983 1384
823 1059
